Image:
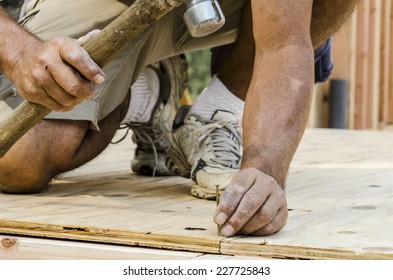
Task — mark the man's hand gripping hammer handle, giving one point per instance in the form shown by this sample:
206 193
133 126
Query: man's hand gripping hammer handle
101 48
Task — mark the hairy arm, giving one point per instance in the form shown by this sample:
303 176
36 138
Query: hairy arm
278 99
13 40
275 116
57 73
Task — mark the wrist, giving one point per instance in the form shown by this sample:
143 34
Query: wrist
276 171
14 39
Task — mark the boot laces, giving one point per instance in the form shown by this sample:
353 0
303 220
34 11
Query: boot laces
225 141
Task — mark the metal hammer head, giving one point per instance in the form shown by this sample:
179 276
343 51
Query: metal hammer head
203 17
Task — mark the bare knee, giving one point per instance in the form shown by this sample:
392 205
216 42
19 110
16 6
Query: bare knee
24 169
38 156
22 179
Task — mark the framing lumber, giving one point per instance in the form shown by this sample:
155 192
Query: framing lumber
25 248
385 63
390 95
362 52
362 57
374 41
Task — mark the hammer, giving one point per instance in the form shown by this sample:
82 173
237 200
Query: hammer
202 17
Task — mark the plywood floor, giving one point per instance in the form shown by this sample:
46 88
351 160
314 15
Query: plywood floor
340 193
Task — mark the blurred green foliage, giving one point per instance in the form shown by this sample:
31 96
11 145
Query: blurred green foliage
198 71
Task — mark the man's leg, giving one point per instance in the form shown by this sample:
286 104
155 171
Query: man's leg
57 144
213 159
53 147
155 98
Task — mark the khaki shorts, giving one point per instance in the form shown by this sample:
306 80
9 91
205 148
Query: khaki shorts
165 38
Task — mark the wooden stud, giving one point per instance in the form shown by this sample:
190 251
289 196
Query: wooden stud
374 41
390 94
385 63
362 70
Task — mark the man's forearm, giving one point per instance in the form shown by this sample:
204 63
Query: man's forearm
13 39
277 109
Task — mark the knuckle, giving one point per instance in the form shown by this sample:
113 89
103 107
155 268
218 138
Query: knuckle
252 170
266 216
64 100
226 196
226 206
244 175
55 106
67 109
252 198
91 71
58 41
40 77
282 197
239 189
33 94
246 231
236 222
75 89
30 89
270 181
67 102
74 57
270 229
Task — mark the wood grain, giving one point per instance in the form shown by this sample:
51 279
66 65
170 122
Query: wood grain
340 195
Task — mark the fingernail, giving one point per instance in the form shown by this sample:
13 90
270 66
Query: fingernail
227 230
221 218
99 79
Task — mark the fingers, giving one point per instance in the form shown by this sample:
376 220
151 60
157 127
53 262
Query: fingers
252 204
72 53
269 218
59 98
43 90
72 84
84 39
53 104
58 73
232 196
274 226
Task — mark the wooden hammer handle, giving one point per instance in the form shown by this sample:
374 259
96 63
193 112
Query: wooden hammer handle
101 48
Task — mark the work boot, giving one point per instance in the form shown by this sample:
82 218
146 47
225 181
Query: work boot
154 137
207 151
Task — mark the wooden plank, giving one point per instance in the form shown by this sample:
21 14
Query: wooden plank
362 58
374 42
353 77
318 110
340 199
24 248
385 63
342 52
390 98
27 248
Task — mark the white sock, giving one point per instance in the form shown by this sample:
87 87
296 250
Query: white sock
144 96
214 97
